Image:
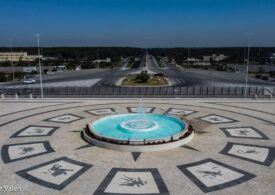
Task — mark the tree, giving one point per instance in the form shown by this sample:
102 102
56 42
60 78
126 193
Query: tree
71 66
143 77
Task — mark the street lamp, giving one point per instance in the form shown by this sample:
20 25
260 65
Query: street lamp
40 69
247 64
11 57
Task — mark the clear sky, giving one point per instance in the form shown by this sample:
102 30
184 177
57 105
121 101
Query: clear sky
141 23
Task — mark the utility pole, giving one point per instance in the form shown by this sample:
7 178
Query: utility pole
40 69
188 55
247 65
13 76
97 58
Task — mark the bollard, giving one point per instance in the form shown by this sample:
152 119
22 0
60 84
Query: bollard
2 96
30 96
16 96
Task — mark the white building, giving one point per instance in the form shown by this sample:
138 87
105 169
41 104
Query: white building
17 56
214 57
107 60
60 68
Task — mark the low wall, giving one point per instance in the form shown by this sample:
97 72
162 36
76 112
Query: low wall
138 148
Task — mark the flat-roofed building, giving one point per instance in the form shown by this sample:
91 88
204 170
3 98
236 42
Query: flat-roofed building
214 57
17 56
107 60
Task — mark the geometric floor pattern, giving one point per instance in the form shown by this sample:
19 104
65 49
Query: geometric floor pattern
217 119
259 154
231 153
136 110
244 132
56 174
66 118
20 151
210 175
132 181
181 112
35 131
102 111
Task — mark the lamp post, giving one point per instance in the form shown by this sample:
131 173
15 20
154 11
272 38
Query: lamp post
40 68
247 68
11 57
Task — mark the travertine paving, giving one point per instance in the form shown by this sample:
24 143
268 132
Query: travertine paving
43 153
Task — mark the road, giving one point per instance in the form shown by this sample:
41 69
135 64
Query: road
177 76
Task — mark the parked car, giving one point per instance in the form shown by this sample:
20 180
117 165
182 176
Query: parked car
29 81
266 78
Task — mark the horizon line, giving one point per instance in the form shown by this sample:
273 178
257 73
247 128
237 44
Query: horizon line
178 47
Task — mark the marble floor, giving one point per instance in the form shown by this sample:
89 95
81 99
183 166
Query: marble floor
232 151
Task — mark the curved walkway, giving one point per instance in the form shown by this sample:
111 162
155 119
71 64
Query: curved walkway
232 151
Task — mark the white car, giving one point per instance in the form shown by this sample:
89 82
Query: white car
29 81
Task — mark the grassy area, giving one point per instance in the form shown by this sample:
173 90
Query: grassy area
129 65
132 80
4 77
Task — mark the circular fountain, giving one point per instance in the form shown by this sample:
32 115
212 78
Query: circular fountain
139 125
138 132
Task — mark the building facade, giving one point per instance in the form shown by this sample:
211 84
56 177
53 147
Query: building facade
17 56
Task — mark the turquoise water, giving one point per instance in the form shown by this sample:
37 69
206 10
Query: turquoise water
110 127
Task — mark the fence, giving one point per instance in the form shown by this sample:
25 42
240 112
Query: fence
114 91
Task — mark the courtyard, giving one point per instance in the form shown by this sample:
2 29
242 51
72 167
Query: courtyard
232 151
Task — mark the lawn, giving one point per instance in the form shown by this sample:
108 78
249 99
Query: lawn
153 80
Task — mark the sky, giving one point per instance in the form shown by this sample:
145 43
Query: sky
138 23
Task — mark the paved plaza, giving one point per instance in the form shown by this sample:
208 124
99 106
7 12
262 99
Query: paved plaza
232 152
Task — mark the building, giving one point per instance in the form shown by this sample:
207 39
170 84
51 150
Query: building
107 60
196 61
214 57
60 68
17 56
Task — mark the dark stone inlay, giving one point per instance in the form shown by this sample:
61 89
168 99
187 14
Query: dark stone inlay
76 131
268 161
231 120
25 175
36 108
51 119
84 146
48 134
80 106
192 111
5 151
155 173
135 155
263 136
88 111
190 148
233 106
247 176
152 109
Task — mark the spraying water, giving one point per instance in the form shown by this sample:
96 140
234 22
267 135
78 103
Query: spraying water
141 111
141 123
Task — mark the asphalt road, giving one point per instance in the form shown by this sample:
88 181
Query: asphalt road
177 76
196 77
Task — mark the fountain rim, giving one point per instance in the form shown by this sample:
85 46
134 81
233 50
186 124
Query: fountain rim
140 142
136 146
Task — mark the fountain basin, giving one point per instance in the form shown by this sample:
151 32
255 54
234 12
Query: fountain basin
123 132
127 127
139 125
